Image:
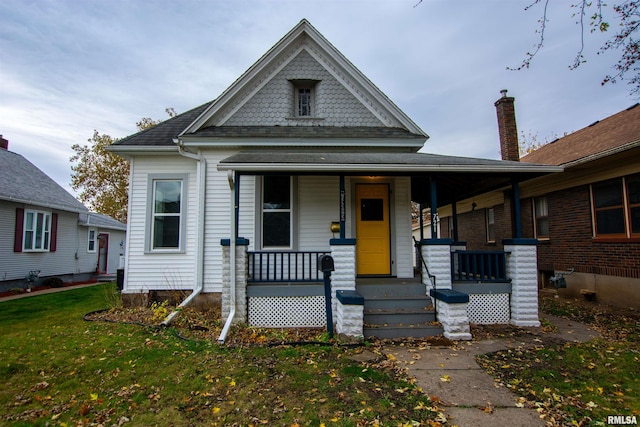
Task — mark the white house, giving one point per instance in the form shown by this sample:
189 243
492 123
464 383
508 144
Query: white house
300 157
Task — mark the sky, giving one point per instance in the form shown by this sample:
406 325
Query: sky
69 67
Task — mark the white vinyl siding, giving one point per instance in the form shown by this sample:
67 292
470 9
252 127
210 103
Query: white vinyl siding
318 198
160 271
401 209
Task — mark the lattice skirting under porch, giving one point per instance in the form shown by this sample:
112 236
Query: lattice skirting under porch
487 309
287 311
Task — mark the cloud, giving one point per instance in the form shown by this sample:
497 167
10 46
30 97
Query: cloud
70 67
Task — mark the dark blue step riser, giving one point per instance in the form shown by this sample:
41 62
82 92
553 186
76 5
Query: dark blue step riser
379 291
399 319
393 304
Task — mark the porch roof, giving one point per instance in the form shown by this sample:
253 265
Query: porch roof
456 177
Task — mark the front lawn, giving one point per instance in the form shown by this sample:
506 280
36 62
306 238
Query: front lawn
577 384
57 369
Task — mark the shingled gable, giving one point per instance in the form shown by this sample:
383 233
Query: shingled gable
616 133
303 42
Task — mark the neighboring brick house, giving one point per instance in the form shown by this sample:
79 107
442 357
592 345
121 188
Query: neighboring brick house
586 220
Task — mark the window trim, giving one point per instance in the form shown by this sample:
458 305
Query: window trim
46 232
626 206
292 192
306 84
90 240
150 217
536 217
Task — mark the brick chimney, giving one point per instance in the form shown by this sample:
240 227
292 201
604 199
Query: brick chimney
507 127
4 144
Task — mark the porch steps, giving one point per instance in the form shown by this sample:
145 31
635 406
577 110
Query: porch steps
397 309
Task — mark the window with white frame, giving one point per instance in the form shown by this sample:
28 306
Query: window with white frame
276 212
616 207
304 98
166 214
37 231
491 225
541 215
92 240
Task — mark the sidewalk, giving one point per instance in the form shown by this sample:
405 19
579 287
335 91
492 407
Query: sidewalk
468 390
47 291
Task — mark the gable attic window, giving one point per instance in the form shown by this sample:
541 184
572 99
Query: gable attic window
304 98
616 207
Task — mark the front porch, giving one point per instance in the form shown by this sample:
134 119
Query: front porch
455 288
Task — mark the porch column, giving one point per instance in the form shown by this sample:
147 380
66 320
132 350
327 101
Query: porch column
343 252
454 218
241 279
522 268
434 209
437 256
517 216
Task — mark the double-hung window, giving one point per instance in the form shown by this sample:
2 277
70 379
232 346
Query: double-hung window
304 101
541 215
92 240
37 231
616 207
167 219
276 212
491 225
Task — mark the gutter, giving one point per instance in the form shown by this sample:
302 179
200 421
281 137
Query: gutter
199 285
232 263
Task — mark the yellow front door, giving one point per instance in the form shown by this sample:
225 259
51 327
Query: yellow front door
372 230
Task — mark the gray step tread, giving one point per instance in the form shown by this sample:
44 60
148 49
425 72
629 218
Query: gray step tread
400 311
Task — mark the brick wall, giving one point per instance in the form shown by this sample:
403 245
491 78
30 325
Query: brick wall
570 244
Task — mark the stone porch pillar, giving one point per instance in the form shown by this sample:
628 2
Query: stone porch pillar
522 268
343 252
437 255
242 269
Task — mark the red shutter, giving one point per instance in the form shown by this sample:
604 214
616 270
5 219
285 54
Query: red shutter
17 241
53 244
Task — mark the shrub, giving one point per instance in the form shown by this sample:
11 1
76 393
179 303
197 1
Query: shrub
54 282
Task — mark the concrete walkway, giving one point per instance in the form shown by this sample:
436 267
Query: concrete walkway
47 291
470 396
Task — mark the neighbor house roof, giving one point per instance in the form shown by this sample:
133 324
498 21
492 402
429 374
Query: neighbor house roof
93 219
23 182
608 136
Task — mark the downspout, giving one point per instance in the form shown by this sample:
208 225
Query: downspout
232 262
201 171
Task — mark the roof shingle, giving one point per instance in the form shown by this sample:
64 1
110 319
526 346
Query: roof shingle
613 132
23 182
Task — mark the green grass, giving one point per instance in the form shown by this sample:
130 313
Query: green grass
577 384
57 369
